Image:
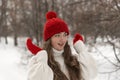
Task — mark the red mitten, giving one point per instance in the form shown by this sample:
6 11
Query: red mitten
33 48
77 37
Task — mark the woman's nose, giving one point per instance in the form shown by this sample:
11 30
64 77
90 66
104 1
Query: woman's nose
62 38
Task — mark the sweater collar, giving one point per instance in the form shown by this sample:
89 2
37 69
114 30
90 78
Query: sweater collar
56 52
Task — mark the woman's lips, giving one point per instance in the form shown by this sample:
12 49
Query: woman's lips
61 44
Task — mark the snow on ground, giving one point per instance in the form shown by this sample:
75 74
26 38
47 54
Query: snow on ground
10 58
13 61
106 61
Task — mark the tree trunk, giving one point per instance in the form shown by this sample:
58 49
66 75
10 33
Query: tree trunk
6 41
15 40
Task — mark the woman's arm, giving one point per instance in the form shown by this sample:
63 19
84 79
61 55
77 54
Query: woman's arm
87 62
38 68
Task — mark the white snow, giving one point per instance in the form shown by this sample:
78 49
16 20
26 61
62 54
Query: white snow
10 62
13 61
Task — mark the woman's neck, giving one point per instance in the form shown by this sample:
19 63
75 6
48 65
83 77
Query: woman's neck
57 52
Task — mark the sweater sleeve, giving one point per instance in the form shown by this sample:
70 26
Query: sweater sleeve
38 68
88 64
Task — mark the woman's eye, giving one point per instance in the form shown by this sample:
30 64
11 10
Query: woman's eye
57 35
65 34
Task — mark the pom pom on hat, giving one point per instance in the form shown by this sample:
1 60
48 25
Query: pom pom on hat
53 25
50 15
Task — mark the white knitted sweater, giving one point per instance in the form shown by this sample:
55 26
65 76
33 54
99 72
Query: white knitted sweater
39 70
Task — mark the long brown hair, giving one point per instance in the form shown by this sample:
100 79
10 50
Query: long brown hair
71 63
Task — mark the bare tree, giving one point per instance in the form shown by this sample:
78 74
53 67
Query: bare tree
3 20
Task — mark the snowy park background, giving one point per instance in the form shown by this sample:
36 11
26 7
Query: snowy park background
14 60
97 20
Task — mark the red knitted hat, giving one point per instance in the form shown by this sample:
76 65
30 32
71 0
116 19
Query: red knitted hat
54 25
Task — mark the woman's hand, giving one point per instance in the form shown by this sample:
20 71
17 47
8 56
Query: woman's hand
77 37
33 48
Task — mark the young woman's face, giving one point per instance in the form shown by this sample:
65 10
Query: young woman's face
59 40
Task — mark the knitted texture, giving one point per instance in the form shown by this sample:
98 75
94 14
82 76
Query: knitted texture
33 48
53 25
77 37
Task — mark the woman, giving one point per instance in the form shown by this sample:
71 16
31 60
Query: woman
57 60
